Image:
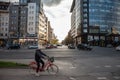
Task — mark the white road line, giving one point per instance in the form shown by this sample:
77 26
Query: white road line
97 66
72 78
72 67
116 77
118 66
107 66
102 78
61 68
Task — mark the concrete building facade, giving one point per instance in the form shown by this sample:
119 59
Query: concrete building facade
43 28
95 21
24 22
14 23
4 22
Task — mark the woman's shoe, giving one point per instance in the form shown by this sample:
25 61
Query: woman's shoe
36 74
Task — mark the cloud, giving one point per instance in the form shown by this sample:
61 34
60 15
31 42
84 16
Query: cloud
59 17
48 12
51 2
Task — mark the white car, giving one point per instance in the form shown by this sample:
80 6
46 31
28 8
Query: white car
118 48
32 46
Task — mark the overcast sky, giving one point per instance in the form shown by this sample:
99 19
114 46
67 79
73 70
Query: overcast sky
58 13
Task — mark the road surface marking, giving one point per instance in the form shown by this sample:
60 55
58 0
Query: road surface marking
61 68
72 78
97 66
117 77
72 67
118 66
107 66
101 78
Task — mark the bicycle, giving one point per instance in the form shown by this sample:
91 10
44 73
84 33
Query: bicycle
49 66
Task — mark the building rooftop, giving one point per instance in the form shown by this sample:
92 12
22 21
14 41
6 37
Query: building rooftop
4 6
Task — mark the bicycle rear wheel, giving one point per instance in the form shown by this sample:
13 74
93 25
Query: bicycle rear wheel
52 69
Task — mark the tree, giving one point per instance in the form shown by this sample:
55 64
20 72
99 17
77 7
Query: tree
54 41
68 40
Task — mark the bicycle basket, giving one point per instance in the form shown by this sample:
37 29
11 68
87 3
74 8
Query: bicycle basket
51 59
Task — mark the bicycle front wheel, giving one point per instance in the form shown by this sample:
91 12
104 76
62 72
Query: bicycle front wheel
53 69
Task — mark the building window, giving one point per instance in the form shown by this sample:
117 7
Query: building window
85 15
85 10
1 34
85 5
31 29
32 7
85 20
85 30
32 12
12 22
6 24
5 29
6 34
2 24
85 25
2 29
29 12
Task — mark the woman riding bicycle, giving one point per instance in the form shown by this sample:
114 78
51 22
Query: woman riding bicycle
39 55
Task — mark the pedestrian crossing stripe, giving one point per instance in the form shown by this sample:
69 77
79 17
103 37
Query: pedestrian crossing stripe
102 78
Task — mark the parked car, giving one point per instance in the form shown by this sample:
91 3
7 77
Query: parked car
54 46
70 46
109 45
59 44
50 46
84 47
118 48
13 46
33 46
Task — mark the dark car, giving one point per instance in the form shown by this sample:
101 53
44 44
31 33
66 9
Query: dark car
70 46
13 46
84 47
50 46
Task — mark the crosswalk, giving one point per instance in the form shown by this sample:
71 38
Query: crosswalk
109 66
94 78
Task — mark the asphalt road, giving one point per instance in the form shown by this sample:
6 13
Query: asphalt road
99 64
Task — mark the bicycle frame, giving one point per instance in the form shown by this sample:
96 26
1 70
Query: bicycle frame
47 64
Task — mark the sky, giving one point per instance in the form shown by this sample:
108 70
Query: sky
58 13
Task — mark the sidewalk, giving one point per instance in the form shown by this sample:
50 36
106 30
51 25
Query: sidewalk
23 74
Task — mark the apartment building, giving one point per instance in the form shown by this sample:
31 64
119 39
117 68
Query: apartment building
27 23
25 20
4 22
23 11
49 32
14 23
42 33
